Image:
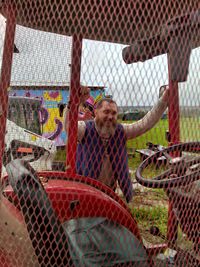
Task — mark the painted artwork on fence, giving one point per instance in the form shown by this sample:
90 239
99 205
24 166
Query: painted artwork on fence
41 109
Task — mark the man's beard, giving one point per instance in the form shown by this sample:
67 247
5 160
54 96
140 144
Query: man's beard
105 130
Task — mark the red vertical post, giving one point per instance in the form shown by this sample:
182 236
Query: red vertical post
174 113
6 74
74 104
174 131
173 108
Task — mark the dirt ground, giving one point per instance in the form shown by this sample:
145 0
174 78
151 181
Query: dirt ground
146 200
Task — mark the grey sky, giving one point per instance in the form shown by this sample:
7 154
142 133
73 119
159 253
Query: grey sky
44 59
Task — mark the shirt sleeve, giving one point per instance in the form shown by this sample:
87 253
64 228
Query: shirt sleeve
147 122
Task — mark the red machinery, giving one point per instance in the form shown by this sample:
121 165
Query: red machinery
43 208
47 212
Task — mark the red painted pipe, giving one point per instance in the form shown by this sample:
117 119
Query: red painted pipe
6 73
74 103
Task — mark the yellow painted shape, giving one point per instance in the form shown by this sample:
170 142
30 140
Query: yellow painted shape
50 126
47 96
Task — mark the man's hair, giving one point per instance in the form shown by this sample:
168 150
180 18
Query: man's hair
100 103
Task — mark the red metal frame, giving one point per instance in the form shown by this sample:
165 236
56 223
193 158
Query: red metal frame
174 127
6 73
173 107
64 193
74 103
81 179
5 259
86 180
174 130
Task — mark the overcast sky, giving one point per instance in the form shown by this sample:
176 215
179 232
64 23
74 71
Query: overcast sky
44 59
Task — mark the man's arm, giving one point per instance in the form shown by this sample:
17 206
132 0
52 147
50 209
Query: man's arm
81 124
149 120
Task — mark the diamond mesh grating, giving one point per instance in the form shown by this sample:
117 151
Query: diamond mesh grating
89 75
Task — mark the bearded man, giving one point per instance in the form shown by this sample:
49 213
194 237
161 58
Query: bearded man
101 149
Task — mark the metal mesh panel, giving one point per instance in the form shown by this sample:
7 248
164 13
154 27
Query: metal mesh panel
99 147
52 64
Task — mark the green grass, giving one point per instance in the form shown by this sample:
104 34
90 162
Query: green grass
190 129
156 135
151 216
150 208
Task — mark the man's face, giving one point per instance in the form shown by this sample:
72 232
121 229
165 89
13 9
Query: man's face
106 117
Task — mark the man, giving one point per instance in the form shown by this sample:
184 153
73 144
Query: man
101 150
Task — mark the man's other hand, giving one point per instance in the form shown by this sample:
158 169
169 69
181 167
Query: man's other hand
84 94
